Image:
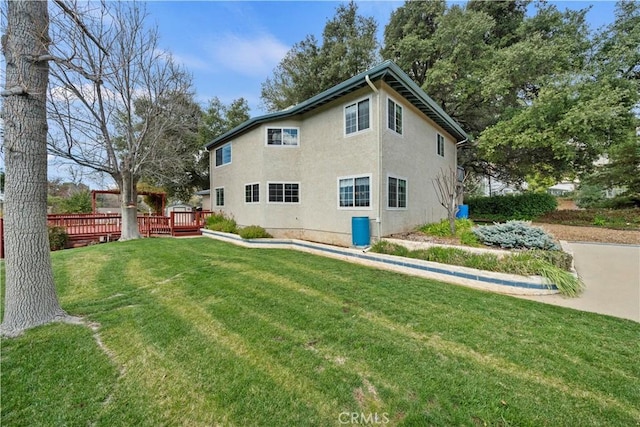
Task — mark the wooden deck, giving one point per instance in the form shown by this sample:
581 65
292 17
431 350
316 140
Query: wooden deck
86 228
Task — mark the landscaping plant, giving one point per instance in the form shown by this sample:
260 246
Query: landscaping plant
515 235
524 206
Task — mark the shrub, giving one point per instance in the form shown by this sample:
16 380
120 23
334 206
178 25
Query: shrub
515 235
219 222
58 238
520 207
469 239
254 232
384 247
441 229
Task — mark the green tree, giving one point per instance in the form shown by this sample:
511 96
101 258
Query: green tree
582 108
348 45
217 118
508 16
79 202
348 48
295 78
409 37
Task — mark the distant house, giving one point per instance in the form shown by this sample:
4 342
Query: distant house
368 147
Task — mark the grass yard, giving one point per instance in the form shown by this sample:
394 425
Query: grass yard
198 332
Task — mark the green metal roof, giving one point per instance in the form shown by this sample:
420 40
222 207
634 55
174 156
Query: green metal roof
388 72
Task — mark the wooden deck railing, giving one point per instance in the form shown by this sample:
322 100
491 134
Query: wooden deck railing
109 225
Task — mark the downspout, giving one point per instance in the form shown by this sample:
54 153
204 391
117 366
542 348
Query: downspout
380 180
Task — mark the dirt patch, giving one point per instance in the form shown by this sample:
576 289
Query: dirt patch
591 234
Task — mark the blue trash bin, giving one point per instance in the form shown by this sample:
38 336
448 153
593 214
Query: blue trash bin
360 231
463 212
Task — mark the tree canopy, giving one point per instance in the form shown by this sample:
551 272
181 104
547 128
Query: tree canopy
542 95
348 47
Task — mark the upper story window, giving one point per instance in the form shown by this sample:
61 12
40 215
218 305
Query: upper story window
354 192
440 143
397 192
223 155
356 117
283 136
284 192
394 116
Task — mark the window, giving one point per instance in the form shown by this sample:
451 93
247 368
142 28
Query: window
354 192
282 136
440 141
223 155
397 193
280 192
394 116
356 117
220 196
252 193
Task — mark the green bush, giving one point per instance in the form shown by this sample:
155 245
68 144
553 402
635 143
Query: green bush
441 229
254 232
590 196
468 238
219 222
515 235
384 247
520 206
58 238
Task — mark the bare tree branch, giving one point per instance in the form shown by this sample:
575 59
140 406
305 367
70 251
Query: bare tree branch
78 21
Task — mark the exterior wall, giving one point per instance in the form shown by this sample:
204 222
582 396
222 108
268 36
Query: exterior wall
324 155
413 156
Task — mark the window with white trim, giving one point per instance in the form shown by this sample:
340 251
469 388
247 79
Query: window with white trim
394 116
440 143
287 137
356 117
354 192
397 192
223 155
252 193
284 192
220 196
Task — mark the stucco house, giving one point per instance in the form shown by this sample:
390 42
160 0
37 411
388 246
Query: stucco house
368 147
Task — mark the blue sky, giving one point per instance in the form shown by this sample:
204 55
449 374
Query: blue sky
230 48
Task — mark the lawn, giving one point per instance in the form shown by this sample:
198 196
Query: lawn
199 332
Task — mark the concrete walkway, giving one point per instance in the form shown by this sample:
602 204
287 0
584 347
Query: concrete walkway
611 274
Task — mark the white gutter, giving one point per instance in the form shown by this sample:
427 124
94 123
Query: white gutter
380 180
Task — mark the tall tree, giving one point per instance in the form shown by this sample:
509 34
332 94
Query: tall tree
580 109
216 119
617 62
348 45
30 295
508 16
409 37
113 108
295 78
348 48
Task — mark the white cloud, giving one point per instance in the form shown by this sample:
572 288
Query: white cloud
191 62
255 56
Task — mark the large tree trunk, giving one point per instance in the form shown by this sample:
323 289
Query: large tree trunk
30 298
129 206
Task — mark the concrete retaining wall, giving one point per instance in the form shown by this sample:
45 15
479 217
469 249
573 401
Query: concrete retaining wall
478 279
